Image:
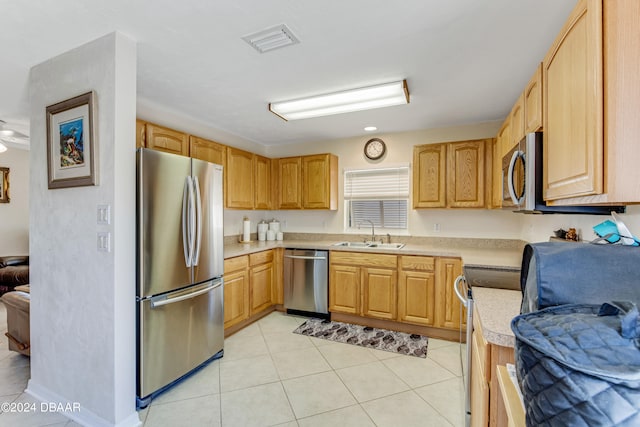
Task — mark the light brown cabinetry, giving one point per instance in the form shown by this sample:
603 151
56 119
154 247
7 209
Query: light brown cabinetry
466 174
451 175
261 280
416 290
517 122
141 134
262 182
533 102
487 406
209 151
429 176
591 106
363 284
308 182
236 290
278 276
447 304
239 192
167 140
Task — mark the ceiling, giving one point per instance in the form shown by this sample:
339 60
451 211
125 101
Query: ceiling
465 61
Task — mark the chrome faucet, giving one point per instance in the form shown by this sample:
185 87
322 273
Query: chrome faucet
373 233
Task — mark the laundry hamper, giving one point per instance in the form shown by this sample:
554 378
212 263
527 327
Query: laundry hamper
579 365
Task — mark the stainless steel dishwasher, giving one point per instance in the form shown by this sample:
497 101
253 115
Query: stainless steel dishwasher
306 289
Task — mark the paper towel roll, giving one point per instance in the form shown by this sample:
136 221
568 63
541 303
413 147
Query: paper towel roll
246 230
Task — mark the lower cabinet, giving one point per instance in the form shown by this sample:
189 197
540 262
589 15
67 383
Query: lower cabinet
363 284
416 290
248 286
448 305
236 290
487 406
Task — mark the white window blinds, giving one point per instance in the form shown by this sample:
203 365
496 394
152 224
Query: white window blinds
378 195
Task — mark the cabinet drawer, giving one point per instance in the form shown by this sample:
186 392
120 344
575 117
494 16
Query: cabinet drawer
419 263
260 257
364 259
235 264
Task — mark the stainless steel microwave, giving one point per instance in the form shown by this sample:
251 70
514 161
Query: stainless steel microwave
522 182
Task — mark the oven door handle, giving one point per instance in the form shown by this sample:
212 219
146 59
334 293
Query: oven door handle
456 289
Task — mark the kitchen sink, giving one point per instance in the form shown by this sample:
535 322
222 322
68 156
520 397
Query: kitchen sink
386 245
370 245
353 244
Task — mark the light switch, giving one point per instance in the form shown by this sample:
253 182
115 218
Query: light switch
104 241
104 214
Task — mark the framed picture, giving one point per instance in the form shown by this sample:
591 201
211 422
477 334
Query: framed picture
4 185
72 153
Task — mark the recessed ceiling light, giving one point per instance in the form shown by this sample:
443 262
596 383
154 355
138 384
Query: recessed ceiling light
370 128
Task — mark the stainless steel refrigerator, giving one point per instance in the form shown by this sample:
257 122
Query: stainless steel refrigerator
179 295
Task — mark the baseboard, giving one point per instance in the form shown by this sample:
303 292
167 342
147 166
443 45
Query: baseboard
77 412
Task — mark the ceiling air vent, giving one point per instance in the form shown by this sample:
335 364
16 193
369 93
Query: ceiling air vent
271 38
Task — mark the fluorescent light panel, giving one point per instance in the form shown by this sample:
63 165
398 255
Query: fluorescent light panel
367 98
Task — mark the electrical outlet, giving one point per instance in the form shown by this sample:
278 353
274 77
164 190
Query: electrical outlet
104 214
104 241
436 227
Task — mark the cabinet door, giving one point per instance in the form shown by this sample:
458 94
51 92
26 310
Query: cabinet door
344 289
141 134
208 151
479 387
236 297
168 140
416 297
239 180
429 172
261 283
573 107
517 121
533 103
319 176
262 180
449 313
278 276
290 183
466 174
379 290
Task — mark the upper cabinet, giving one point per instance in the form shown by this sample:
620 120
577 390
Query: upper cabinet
573 100
516 123
308 182
206 150
239 192
168 140
320 182
591 106
141 134
533 102
452 175
262 182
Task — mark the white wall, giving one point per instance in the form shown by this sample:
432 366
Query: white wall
453 222
14 216
83 301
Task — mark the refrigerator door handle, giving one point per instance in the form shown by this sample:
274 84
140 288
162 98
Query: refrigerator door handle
166 301
192 222
185 223
198 210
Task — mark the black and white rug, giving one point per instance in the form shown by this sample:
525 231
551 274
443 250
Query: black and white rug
365 336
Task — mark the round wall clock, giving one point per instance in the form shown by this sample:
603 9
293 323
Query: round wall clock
374 148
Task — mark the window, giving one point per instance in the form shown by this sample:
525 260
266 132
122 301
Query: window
377 195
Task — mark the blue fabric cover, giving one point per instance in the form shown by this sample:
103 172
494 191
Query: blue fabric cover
576 369
556 273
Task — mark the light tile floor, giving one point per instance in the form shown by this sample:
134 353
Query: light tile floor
272 377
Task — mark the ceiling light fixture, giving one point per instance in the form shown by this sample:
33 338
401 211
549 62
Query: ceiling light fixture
367 98
271 38
370 128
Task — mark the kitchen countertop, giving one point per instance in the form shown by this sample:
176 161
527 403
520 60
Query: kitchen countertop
495 309
487 256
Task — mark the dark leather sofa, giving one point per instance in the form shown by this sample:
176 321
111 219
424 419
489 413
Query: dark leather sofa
14 271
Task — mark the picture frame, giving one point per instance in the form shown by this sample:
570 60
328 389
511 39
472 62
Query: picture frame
72 154
4 185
